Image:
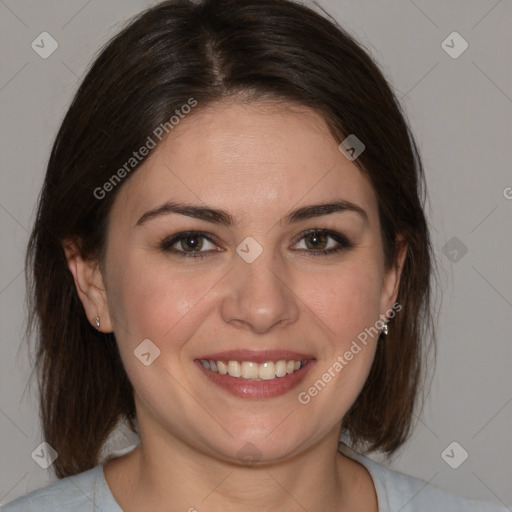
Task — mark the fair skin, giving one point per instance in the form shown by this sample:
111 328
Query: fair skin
258 162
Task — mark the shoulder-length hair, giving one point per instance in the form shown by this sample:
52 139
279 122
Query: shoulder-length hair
210 50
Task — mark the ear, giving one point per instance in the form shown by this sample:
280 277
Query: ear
392 275
89 286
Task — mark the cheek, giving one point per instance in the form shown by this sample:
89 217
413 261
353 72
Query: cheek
347 299
154 302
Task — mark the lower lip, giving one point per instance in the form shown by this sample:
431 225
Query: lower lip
258 389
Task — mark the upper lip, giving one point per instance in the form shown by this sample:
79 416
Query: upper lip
256 356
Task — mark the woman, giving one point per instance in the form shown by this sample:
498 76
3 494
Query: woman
231 254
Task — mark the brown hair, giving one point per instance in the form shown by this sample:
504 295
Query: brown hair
210 50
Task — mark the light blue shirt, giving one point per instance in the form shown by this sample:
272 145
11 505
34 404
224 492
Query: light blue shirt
396 492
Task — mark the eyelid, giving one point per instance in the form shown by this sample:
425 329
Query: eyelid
342 241
171 240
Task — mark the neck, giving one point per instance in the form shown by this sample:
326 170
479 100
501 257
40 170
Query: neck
163 471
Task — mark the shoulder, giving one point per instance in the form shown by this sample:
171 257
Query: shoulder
410 494
86 491
398 491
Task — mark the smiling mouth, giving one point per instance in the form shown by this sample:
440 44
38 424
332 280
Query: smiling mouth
250 370
255 374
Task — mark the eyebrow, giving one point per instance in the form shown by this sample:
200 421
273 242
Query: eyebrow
222 217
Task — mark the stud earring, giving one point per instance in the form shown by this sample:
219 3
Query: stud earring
97 322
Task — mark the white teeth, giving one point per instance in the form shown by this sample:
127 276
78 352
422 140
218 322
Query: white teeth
280 368
249 370
267 371
253 371
234 369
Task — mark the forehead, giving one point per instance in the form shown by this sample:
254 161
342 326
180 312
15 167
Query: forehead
250 159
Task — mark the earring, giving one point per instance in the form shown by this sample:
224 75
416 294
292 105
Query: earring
97 322
385 329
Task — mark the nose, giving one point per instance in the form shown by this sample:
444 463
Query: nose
258 295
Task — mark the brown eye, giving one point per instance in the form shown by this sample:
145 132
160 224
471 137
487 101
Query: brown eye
316 240
321 241
193 243
190 243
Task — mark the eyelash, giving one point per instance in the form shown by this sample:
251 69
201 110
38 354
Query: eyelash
168 242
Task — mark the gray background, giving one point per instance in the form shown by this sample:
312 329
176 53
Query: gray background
460 110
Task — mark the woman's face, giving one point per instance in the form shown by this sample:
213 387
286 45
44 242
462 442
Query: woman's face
253 287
